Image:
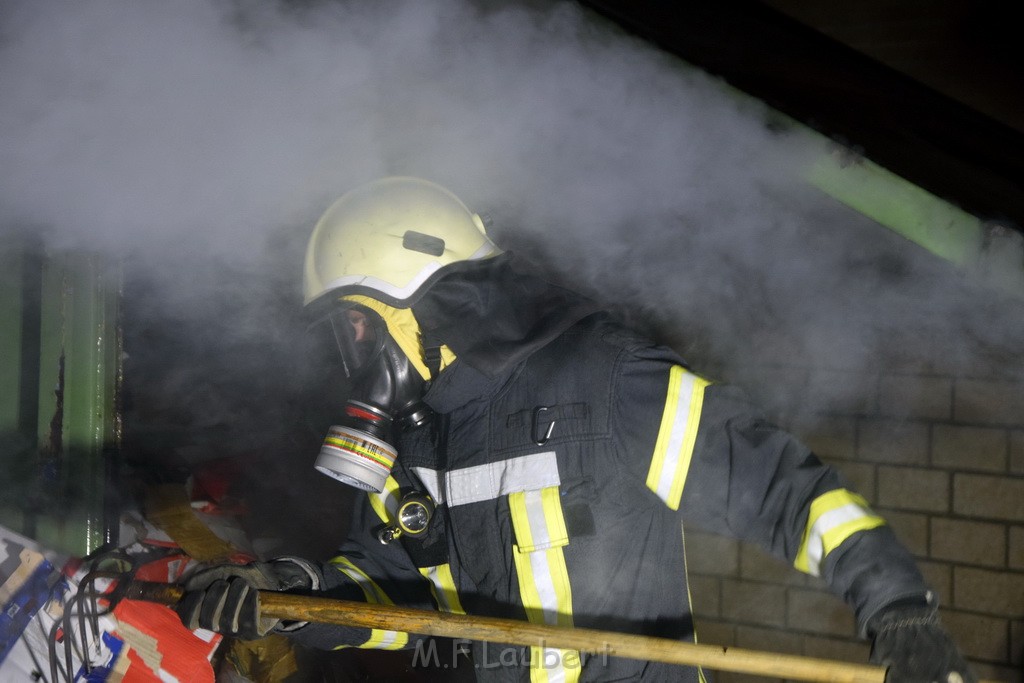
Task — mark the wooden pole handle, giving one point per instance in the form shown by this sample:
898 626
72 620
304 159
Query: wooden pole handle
324 610
512 632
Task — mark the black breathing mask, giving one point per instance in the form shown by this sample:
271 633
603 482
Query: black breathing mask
385 397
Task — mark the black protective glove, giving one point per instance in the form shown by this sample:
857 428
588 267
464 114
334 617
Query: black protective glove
914 646
224 598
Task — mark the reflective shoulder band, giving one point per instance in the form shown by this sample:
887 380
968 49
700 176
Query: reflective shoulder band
834 517
543 577
379 639
676 436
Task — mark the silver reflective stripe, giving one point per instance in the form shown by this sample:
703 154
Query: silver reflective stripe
438 588
545 585
493 480
496 479
383 285
539 520
443 588
433 482
536 519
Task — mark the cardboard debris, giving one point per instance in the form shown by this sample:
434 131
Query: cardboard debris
51 629
138 642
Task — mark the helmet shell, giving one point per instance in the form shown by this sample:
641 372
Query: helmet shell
388 239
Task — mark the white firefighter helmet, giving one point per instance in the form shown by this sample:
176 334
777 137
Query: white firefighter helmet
390 237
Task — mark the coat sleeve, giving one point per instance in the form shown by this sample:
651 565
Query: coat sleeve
704 451
365 570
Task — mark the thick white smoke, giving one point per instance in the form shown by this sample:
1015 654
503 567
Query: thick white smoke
216 122
217 131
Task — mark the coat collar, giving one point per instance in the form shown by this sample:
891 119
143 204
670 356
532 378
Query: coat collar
460 384
497 314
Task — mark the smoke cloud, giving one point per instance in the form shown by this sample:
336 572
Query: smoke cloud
218 122
199 142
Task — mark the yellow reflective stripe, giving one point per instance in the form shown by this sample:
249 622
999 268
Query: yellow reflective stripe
520 522
379 639
677 435
442 587
665 430
543 578
834 517
551 504
547 597
537 519
385 503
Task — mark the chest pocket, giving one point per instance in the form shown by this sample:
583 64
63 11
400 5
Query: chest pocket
538 551
541 423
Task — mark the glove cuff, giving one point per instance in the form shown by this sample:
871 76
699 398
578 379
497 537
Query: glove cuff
921 610
295 572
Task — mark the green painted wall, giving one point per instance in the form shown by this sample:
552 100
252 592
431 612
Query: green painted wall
60 378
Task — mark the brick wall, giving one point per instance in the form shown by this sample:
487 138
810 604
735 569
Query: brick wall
942 458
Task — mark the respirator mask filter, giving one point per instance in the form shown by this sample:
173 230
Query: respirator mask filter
358 451
385 396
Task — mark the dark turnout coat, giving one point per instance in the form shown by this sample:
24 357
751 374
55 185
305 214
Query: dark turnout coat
564 479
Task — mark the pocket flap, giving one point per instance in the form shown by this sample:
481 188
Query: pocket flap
537 519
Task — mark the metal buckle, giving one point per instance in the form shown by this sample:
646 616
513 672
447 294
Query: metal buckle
535 424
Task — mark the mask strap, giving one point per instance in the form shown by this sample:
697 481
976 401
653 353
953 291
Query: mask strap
432 355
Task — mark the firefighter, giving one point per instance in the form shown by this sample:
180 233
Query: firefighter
525 455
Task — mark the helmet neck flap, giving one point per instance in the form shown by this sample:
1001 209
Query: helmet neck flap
497 313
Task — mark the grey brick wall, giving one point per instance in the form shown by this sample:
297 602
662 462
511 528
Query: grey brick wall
1017 452
942 458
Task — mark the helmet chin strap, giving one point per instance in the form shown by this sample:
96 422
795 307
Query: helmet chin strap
433 354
